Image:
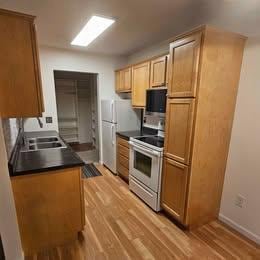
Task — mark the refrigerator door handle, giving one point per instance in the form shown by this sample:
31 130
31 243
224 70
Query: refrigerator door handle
112 134
112 111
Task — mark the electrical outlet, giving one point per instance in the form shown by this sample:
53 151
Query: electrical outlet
240 201
48 119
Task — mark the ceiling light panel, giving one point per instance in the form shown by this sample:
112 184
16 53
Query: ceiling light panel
94 27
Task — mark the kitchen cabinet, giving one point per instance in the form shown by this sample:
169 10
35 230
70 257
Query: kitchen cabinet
50 208
20 79
174 188
167 70
126 80
140 83
184 63
122 159
180 117
204 74
123 80
158 73
118 80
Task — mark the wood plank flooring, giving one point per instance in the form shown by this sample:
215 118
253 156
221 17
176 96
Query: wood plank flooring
77 147
120 226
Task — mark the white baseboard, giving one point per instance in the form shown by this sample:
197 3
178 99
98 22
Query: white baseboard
247 233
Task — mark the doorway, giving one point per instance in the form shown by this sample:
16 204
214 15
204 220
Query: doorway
2 256
77 110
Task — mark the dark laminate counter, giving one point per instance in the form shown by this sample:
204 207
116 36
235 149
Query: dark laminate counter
23 163
127 134
145 131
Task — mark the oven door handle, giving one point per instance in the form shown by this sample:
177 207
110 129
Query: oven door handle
144 149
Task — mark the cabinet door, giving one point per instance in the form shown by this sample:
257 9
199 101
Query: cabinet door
174 188
140 83
118 81
179 123
158 72
184 63
40 211
167 69
126 80
20 81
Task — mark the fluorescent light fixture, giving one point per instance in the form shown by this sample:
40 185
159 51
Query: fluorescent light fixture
94 27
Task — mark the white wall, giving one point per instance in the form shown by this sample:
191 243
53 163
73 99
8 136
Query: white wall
58 59
8 221
243 167
149 52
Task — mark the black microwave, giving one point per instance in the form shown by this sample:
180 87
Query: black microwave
155 101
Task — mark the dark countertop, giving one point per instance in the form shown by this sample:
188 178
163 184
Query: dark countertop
23 163
127 134
145 131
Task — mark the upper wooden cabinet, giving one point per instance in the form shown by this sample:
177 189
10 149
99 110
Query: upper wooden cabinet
140 83
179 123
174 188
126 80
118 80
158 72
123 80
167 70
20 80
184 63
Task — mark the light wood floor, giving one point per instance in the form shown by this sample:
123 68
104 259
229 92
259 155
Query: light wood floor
119 226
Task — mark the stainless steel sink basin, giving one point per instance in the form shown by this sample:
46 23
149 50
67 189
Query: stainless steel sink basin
41 143
43 140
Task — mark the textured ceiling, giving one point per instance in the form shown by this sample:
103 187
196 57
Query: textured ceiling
139 23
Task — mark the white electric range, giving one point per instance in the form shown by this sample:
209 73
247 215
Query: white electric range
145 168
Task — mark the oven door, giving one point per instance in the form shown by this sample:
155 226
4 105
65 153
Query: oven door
145 165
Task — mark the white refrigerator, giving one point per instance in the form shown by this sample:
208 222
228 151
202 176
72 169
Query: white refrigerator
117 115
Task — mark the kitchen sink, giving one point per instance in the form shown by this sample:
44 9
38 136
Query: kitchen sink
43 143
43 140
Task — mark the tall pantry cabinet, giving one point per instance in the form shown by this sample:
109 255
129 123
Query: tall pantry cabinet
204 75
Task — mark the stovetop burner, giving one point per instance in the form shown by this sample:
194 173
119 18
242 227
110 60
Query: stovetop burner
157 141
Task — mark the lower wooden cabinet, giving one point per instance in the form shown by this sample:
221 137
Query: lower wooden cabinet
174 188
122 158
50 208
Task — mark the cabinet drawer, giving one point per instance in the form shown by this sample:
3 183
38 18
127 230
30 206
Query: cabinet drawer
122 150
122 142
122 171
123 161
